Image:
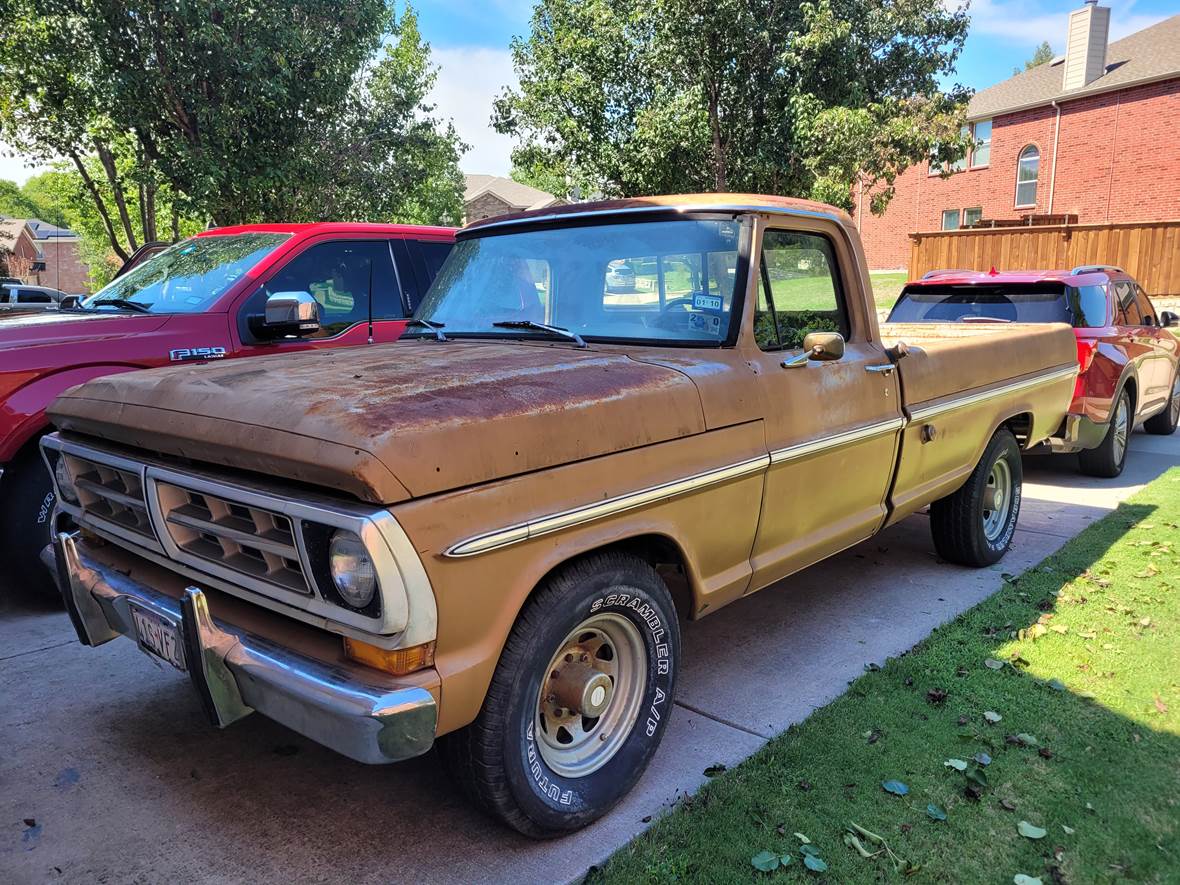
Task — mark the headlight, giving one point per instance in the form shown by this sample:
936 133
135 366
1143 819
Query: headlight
352 569
65 482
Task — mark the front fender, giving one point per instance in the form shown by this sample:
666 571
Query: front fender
22 414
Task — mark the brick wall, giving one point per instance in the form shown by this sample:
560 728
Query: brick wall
1118 156
486 206
64 269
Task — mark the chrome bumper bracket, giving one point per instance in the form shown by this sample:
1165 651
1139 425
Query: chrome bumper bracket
205 649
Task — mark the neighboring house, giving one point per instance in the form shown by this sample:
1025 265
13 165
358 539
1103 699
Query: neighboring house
486 196
42 254
1089 137
19 254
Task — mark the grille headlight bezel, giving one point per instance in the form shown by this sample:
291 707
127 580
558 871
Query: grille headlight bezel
354 576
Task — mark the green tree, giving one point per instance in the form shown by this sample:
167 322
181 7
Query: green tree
659 96
1041 55
15 203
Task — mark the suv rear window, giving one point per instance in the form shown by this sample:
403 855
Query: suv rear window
1008 302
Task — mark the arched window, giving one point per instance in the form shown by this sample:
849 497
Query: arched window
1027 169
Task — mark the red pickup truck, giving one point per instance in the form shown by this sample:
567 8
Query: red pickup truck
230 292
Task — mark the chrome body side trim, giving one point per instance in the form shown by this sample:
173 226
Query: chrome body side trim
580 515
836 441
971 399
408 608
236 672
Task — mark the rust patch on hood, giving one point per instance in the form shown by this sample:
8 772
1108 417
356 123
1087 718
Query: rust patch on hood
435 416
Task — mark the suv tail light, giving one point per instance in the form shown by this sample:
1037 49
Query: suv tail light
1087 349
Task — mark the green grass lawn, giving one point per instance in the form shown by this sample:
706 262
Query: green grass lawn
887 286
1059 696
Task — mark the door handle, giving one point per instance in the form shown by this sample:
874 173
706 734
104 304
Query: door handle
885 369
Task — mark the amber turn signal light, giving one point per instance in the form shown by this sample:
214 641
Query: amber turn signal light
399 661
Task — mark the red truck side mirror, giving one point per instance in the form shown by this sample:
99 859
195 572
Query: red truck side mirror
287 314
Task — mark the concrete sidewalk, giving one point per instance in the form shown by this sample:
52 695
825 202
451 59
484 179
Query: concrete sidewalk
111 757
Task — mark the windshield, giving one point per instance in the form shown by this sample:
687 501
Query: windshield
188 277
664 281
1011 302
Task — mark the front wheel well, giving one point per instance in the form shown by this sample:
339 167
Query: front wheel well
659 551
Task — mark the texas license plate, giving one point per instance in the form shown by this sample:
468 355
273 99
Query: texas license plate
158 636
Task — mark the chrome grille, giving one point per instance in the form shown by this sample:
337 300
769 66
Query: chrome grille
110 494
247 539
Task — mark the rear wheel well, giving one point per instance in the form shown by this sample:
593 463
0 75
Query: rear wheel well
659 551
1132 391
1021 427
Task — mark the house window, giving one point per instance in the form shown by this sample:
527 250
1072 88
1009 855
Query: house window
960 164
972 216
1027 169
950 219
981 132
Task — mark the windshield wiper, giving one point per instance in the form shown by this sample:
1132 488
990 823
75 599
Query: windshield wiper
434 327
975 318
125 303
542 327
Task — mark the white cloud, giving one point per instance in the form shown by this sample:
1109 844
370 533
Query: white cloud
1028 23
469 79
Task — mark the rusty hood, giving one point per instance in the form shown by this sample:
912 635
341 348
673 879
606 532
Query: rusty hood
387 422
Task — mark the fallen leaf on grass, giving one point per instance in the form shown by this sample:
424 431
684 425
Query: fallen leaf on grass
814 864
1007 805
1056 684
897 788
993 664
935 812
1021 879
977 776
992 716
1069 831
714 770
802 838
936 695
1027 740
982 758
1030 831
1160 705
957 764
768 861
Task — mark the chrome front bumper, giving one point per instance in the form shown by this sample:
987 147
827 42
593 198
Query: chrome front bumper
236 672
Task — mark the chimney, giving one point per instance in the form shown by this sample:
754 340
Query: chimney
1085 45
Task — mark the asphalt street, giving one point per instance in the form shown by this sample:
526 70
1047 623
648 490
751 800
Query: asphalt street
110 773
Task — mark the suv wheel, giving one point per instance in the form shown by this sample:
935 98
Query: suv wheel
27 500
1164 424
1107 459
579 699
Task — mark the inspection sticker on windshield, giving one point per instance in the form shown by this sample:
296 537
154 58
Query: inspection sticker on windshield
196 353
701 301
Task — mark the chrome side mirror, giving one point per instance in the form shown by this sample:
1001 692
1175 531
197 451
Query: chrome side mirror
1169 319
288 314
824 346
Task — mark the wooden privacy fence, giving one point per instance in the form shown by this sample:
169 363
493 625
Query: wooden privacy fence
1148 250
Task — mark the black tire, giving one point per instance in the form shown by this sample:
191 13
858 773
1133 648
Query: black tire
1164 424
27 500
960 522
1107 459
500 759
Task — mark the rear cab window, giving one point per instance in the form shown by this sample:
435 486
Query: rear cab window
1048 302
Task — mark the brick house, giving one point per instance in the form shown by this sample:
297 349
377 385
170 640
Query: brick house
486 196
19 254
1091 135
63 265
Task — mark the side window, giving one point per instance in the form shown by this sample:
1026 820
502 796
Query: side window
1145 309
32 296
338 275
1128 311
799 291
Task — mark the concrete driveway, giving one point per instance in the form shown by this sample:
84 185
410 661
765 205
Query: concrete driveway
109 772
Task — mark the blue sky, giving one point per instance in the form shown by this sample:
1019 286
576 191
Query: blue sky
470 40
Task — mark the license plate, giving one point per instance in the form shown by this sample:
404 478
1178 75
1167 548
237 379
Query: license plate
158 636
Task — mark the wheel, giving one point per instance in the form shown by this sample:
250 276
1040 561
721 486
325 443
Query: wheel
579 700
26 522
1164 424
1107 459
974 525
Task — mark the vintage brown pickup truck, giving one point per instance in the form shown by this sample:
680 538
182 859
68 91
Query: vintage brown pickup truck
609 418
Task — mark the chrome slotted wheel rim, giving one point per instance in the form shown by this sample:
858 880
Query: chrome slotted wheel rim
1174 406
997 499
590 695
1122 422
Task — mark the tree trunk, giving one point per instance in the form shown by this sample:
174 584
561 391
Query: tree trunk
108 164
149 215
92 188
719 171
175 224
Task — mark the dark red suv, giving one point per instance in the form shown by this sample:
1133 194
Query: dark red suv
1127 357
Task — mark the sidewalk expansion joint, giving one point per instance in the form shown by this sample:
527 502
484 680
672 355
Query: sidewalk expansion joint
722 721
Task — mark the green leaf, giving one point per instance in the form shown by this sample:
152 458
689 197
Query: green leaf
1027 739
1030 831
957 764
809 850
993 664
992 716
897 788
982 758
935 812
1021 879
784 859
765 861
977 775
1069 831
814 864
802 838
